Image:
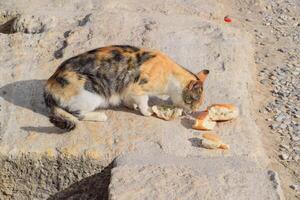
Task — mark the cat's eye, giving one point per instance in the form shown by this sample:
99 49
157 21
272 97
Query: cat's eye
195 96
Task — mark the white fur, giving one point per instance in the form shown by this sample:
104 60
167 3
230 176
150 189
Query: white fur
95 116
142 104
174 90
114 100
86 102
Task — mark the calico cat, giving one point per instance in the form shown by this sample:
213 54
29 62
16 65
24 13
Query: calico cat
118 74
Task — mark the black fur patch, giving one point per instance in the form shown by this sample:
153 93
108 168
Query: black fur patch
127 48
62 81
107 75
49 100
62 123
143 57
94 51
143 81
137 78
88 85
116 55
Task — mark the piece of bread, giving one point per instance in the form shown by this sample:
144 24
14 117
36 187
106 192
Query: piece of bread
213 141
223 112
211 136
203 122
167 112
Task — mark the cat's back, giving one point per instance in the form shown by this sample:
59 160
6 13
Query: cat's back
108 60
112 68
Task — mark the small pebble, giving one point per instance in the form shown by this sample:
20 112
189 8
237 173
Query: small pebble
274 126
295 138
284 146
283 126
280 118
264 81
284 156
295 187
297 150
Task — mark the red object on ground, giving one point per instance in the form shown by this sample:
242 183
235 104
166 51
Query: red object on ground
227 19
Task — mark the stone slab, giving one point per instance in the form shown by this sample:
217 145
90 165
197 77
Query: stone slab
150 173
48 32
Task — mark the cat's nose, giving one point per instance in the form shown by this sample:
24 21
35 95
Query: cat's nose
187 112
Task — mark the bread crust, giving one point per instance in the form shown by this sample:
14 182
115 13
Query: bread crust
213 141
203 122
167 114
224 105
212 137
223 112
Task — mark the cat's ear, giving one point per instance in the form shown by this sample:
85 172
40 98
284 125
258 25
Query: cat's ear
203 74
193 84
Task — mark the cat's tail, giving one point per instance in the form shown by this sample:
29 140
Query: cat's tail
58 116
62 119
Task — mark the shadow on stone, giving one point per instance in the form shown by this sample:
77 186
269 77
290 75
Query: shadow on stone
27 94
187 122
196 142
123 108
92 188
44 129
6 28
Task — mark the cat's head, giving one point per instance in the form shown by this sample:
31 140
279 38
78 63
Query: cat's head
193 94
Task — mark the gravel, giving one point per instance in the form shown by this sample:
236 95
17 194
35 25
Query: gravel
286 103
279 72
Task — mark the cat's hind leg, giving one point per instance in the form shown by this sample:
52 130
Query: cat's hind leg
84 106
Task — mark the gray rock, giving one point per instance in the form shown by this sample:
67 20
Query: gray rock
295 138
280 117
274 126
287 147
297 115
273 175
268 108
297 131
264 81
295 187
296 157
284 156
283 126
297 150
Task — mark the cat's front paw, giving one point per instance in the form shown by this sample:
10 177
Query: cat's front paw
147 112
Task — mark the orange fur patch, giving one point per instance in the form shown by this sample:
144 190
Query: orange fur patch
68 91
